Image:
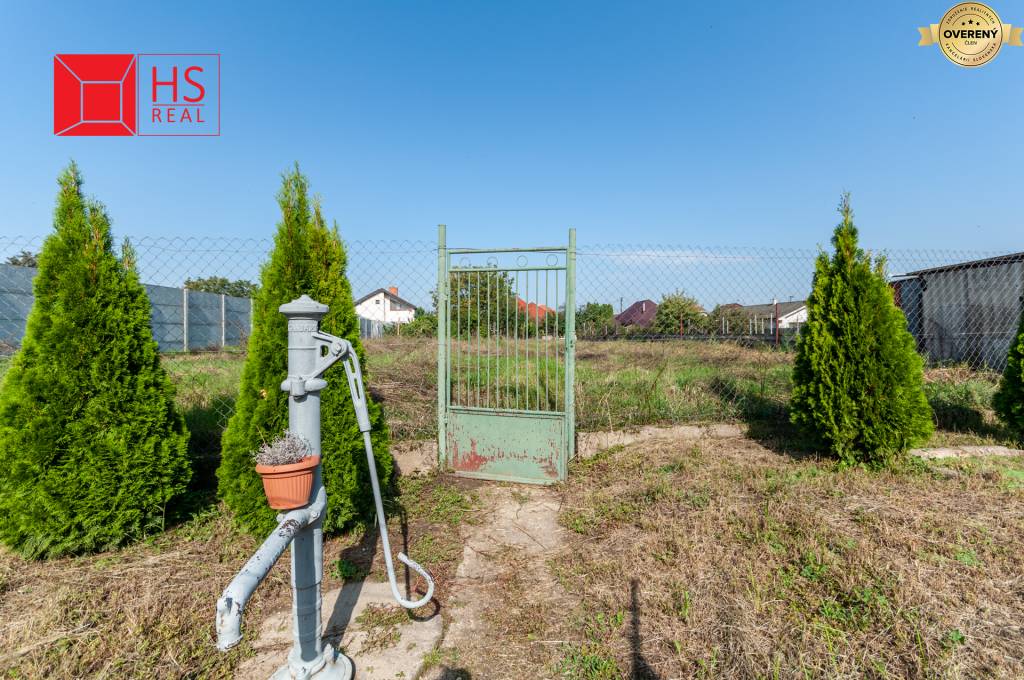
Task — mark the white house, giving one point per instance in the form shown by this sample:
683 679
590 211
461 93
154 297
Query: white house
385 306
761 318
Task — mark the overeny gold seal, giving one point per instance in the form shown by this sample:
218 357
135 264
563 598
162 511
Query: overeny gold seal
970 34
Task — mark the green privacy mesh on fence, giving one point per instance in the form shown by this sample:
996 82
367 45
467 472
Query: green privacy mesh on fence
666 333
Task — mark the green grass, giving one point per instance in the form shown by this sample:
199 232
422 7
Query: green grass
380 623
588 662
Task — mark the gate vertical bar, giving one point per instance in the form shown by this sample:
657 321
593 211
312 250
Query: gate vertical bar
442 345
570 347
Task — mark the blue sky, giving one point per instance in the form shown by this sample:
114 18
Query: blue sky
635 122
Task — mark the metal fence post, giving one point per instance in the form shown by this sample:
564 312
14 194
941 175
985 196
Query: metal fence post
442 344
184 319
223 320
570 347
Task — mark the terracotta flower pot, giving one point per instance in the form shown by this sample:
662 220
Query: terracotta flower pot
288 486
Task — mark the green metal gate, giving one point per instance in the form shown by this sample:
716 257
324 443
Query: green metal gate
506 361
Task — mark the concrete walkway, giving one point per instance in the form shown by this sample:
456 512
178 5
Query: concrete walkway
377 651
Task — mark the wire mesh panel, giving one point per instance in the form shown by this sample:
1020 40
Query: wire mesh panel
506 355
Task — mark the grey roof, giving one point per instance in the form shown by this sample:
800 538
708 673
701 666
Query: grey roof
387 293
972 264
769 309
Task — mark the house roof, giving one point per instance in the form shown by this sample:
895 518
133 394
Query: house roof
533 310
640 313
972 264
387 293
785 308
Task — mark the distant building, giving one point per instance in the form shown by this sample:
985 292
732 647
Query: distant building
385 306
534 311
964 312
762 318
640 313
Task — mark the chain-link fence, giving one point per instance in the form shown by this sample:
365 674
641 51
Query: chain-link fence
666 333
961 307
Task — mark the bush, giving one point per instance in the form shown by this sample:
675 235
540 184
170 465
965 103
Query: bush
858 380
678 314
91 448
1009 400
309 258
423 326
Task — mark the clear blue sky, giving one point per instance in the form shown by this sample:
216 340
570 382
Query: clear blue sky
636 122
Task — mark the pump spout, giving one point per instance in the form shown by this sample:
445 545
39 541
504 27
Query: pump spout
237 594
229 623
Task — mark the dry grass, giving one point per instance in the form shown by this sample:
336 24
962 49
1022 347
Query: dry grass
746 562
142 612
402 376
727 560
147 611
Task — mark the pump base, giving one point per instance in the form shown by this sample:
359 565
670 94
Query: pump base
336 666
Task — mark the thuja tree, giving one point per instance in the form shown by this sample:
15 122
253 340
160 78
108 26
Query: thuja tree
92 449
1009 400
308 258
858 380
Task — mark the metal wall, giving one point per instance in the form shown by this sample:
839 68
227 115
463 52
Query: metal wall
970 314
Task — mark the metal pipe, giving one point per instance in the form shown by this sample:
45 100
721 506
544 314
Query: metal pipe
355 383
232 603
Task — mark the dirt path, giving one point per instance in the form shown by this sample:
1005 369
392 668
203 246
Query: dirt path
503 576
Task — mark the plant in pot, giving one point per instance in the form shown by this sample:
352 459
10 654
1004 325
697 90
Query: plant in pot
286 466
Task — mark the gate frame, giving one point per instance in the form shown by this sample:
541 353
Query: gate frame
444 359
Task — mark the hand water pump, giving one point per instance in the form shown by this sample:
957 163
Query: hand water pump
310 353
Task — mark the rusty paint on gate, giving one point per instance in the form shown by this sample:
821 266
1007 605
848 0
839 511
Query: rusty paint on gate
506 446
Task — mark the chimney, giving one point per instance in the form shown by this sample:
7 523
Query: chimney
643 306
393 290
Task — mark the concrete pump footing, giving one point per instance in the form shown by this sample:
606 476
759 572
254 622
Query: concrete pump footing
374 653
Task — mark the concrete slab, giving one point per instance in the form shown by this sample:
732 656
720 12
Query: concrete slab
396 654
589 443
965 452
521 521
413 457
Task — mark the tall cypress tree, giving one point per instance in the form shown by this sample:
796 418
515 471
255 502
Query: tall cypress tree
92 449
1009 400
858 379
308 258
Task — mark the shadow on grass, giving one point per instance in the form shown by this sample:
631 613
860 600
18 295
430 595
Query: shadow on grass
205 425
641 667
767 420
957 408
454 674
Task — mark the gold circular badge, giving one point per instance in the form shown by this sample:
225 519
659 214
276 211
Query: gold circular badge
970 34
